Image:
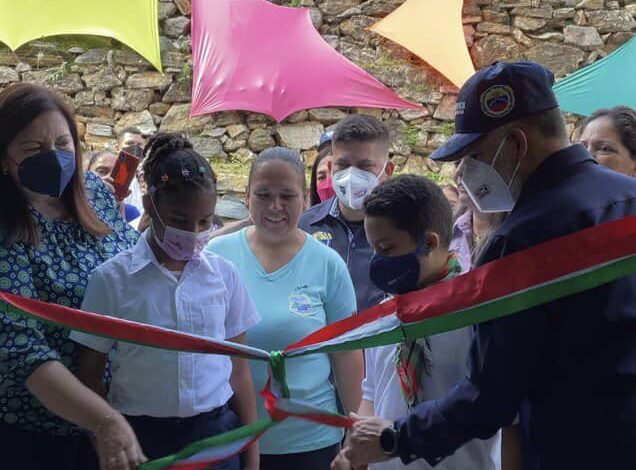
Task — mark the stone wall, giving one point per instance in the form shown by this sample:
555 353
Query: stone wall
111 87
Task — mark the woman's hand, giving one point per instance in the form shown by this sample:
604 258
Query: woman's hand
117 445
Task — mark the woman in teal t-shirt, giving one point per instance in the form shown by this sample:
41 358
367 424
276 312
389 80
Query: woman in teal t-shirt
299 285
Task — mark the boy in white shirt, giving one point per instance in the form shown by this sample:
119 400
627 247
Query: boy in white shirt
408 223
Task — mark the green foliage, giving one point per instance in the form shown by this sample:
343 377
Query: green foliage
62 71
411 135
186 71
447 129
294 3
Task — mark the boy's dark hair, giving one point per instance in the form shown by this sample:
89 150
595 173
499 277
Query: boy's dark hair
360 128
284 155
414 204
624 120
172 164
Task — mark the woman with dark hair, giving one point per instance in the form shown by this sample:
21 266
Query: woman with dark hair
610 136
56 227
299 285
320 188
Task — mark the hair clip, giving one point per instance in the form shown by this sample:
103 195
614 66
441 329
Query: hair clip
202 170
186 173
164 178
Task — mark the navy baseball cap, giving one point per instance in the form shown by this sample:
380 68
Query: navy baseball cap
325 138
494 96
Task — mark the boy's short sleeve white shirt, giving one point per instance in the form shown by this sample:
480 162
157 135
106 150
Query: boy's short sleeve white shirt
209 299
381 386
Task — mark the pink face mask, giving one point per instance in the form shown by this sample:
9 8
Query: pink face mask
180 245
325 189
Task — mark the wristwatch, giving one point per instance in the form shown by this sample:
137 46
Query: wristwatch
389 441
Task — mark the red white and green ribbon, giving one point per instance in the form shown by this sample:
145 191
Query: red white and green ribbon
210 451
207 452
125 330
541 274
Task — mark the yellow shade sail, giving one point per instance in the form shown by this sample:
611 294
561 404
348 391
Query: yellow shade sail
132 22
431 29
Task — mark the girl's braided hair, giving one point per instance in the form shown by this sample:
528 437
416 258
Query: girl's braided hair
172 164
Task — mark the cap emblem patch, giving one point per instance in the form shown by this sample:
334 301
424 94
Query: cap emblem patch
497 101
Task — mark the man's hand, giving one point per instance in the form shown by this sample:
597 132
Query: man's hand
341 462
364 445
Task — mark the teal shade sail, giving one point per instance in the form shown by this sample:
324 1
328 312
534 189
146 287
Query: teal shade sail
606 83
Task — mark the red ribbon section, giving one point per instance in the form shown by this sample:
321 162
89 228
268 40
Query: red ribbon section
123 330
531 267
279 414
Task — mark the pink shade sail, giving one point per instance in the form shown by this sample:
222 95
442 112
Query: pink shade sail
255 56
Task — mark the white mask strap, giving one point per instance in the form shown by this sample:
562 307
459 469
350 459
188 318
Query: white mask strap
383 168
503 142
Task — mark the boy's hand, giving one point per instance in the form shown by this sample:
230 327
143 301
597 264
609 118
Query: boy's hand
364 445
341 462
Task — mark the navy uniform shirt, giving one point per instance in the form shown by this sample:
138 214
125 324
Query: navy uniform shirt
327 225
569 365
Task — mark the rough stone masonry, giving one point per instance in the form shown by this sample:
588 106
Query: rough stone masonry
112 88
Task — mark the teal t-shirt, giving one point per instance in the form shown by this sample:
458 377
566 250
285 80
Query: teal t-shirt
313 290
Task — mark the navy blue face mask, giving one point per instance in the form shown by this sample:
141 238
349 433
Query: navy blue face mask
47 172
397 274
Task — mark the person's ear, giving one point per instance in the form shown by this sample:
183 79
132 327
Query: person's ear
390 167
519 138
431 243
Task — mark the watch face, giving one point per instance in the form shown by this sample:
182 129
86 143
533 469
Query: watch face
388 440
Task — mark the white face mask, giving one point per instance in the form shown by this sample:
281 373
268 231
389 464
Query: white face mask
485 186
353 185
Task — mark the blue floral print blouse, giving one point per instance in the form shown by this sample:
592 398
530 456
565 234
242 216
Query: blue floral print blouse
56 271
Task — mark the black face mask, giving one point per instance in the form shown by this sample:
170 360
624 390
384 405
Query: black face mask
397 274
48 172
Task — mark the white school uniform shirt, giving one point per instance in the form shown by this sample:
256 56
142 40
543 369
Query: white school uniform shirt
209 299
381 385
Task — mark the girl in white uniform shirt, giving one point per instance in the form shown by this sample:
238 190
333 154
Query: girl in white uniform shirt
173 398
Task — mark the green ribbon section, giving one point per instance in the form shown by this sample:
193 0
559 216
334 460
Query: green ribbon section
277 365
250 430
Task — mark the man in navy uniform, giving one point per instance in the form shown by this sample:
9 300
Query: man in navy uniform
360 162
568 368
